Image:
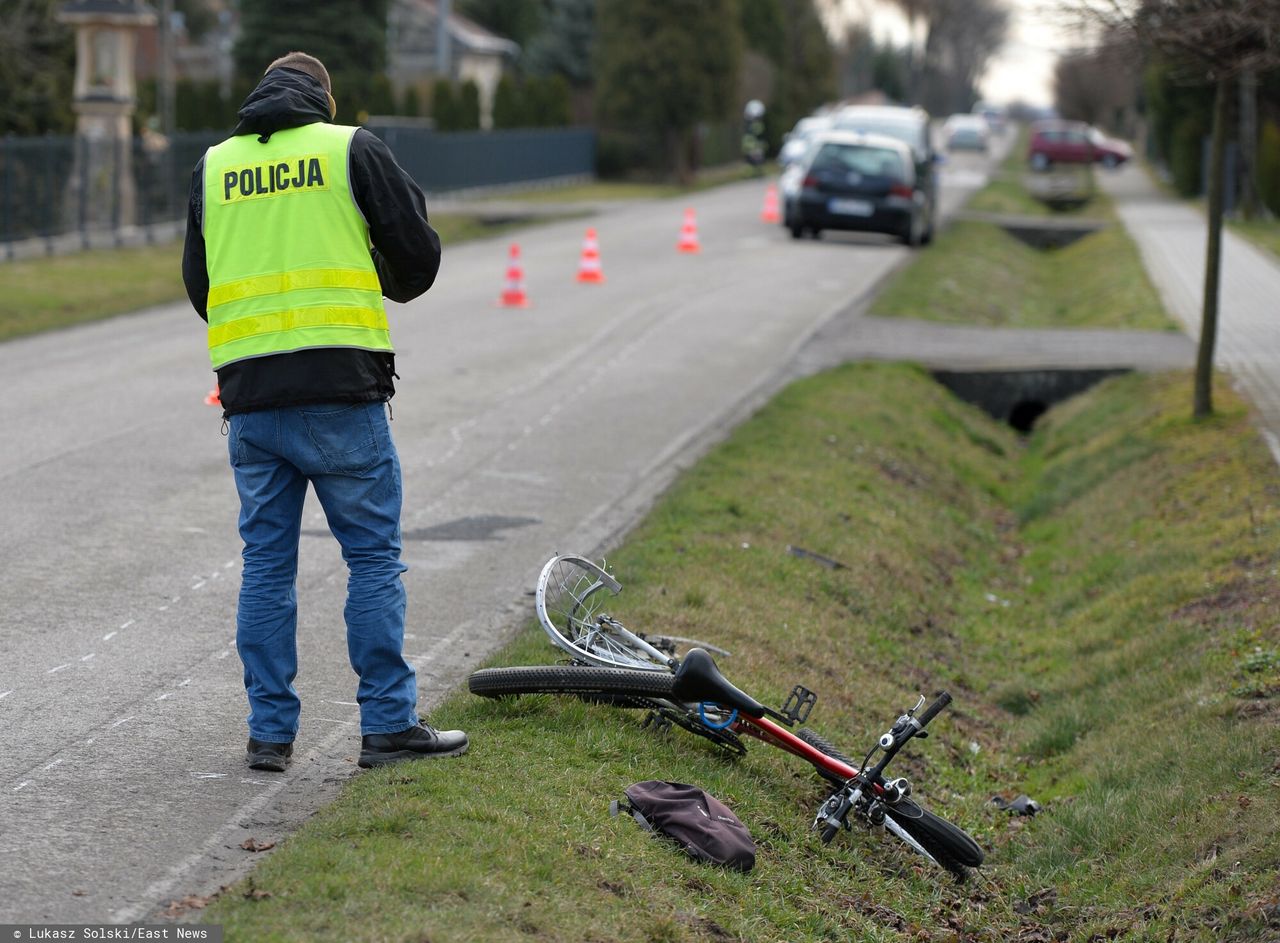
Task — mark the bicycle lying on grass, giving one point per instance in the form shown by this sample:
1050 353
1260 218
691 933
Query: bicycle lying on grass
612 665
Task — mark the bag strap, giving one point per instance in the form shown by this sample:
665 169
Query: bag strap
624 804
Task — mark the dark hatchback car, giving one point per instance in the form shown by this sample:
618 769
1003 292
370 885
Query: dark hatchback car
859 182
911 126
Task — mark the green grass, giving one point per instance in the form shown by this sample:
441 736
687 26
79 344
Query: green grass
59 291
1263 234
1094 605
976 273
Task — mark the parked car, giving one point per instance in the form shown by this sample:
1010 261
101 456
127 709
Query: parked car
1059 142
911 126
993 115
1108 151
796 141
966 133
854 181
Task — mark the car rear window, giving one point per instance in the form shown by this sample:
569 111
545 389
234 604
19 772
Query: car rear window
856 158
908 132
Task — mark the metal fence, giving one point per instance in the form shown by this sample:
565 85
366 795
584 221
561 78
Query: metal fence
64 194
462 160
60 193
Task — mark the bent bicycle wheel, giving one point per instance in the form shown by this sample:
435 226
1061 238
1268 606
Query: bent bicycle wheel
571 598
949 844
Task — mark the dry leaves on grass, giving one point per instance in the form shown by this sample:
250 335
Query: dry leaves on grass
252 844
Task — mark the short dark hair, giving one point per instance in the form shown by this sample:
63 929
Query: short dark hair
306 64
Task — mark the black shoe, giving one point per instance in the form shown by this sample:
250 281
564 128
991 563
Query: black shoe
273 757
420 742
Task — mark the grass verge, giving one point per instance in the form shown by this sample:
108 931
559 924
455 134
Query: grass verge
1263 234
976 273
1100 600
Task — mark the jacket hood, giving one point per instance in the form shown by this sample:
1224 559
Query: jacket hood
285 98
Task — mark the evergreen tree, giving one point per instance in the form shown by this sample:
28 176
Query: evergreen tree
508 105
37 65
469 106
348 36
517 20
410 105
666 65
565 45
444 106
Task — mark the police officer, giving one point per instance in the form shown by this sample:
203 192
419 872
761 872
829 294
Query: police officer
296 229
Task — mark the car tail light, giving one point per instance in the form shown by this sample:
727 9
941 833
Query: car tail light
809 181
902 190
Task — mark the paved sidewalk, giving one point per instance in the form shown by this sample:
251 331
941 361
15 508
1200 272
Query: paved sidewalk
854 336
1171 236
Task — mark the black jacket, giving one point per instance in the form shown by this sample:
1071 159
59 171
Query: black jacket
406 255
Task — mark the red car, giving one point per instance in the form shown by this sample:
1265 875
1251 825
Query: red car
1109 152
1059 142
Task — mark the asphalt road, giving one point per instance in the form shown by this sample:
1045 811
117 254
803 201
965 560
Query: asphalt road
521 433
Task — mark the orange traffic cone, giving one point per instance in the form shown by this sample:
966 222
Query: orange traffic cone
770 212
689 233
214 396
589 268
513 295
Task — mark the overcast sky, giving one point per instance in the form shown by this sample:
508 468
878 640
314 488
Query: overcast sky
1022 70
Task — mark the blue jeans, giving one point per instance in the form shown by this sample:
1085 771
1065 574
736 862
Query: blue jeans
345 451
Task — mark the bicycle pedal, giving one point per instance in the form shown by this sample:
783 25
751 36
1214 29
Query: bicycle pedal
798 705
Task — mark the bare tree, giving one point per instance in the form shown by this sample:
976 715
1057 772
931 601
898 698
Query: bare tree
960 36
1099 85
1220 40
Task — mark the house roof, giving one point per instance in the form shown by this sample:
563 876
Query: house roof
468 32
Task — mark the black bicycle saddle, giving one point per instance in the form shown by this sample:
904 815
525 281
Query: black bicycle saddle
698 679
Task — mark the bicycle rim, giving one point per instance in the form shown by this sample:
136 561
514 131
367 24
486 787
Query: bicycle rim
571 598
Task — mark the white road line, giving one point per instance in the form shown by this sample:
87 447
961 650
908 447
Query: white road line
122 720
127 624
52 765
343 703
198 585
209 775
330 720
22 785
88 656
184 683
162 608
229 564
5 694
108 637
254 782
166 694
59 668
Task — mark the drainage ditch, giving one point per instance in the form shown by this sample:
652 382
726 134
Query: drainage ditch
1019 397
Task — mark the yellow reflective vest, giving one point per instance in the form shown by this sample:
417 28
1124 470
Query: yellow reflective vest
287 248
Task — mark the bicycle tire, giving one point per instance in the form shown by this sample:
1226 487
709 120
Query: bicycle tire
823 745
611 687
950 845
571 679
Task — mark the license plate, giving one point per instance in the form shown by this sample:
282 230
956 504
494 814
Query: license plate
850 207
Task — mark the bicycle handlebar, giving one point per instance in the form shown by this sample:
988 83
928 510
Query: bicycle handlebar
934 709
